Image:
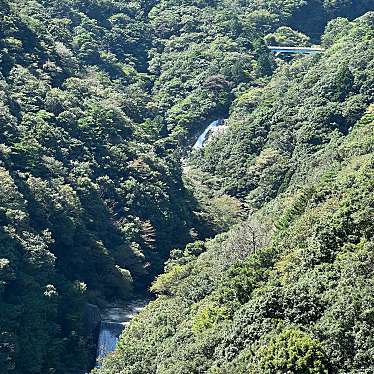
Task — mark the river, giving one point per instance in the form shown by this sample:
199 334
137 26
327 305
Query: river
114 321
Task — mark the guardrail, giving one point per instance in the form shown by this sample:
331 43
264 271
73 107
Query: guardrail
300 50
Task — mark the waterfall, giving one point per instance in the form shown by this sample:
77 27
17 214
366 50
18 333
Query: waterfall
115 320
108 338
200 141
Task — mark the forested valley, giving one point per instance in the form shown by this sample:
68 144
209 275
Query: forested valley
258 248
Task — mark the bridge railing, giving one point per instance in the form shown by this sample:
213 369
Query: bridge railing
300 50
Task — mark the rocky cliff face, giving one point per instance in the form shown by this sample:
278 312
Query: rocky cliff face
91 319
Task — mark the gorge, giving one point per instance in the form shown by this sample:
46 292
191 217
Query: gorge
114 319
255 239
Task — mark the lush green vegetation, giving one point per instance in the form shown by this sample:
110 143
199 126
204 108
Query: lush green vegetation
91 195
289 290
98 100
274 129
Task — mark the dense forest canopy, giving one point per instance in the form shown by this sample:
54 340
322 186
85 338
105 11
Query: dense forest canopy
288 290
99 101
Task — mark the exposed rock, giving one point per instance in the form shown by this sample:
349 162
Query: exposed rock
91 318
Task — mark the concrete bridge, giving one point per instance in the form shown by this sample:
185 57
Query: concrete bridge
294 50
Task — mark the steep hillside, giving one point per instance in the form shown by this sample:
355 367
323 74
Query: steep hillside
273 130
290 289
98 99
91 196
206 53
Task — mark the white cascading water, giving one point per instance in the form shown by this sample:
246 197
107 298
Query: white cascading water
202 138
114 321
108 338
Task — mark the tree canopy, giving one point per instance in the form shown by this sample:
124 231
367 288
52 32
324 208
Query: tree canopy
99 102
288 290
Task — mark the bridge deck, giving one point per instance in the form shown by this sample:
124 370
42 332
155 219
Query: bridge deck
305 50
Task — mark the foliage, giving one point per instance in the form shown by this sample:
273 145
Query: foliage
91 195
98 100
291 351
294 293
306 105
286 36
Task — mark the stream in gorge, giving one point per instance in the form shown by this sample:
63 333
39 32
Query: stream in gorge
115 319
